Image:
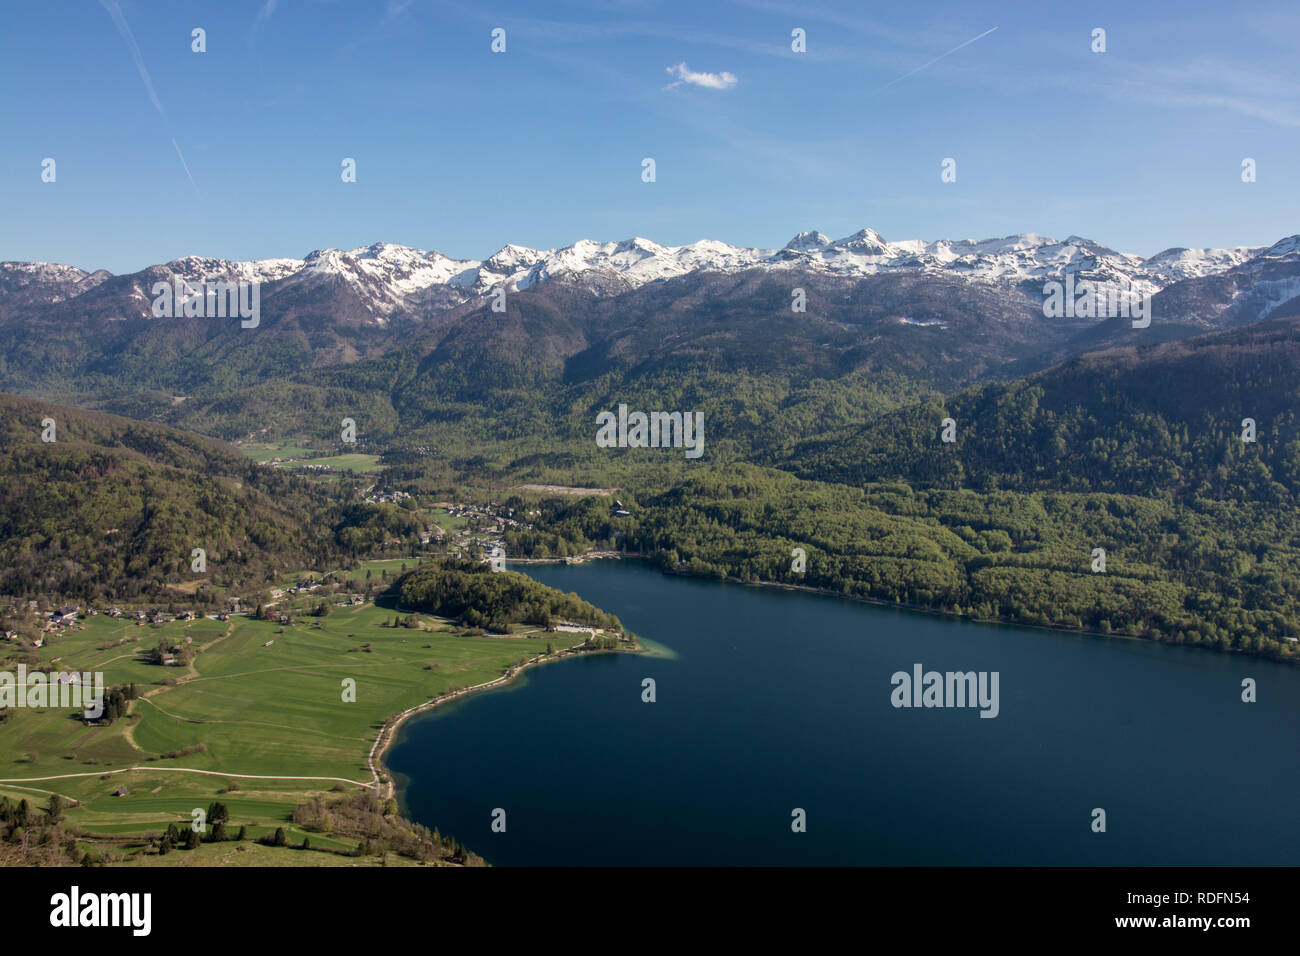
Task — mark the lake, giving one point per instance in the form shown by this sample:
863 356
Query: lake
780 700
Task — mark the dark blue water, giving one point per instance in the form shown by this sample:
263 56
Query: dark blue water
780 700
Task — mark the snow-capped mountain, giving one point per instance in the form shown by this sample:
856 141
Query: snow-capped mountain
387 279
1013 259
942 314
46 281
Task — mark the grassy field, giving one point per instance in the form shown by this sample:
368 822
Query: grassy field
445 520
300 454
354 462
265 451
260 699
355 580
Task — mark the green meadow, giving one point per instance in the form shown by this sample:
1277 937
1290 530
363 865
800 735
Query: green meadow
260 699
445 520
265 451
354 462
306 455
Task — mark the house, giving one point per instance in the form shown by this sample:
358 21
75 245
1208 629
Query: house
64 616
121 792
223 616
114 612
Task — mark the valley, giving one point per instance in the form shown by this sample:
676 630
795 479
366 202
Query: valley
348 467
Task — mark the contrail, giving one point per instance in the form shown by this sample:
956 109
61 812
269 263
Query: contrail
115 11
938 58
186 165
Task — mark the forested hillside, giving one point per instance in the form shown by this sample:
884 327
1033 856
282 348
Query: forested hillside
1220 574
113 509
1165 421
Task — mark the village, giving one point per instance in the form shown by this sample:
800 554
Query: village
473 531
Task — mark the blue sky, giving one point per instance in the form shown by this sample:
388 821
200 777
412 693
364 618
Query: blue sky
236 152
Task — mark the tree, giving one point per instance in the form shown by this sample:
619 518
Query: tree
218 813
279 839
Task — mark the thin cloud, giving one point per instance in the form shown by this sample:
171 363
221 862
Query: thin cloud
395 9
264 14
710 81
556 32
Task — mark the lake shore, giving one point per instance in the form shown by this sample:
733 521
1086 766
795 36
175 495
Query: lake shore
382 777
579 558
904 606
768 673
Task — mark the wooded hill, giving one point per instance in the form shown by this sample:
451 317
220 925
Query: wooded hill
113 508
471 593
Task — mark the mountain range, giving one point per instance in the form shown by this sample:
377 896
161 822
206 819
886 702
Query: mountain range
398 335
393 278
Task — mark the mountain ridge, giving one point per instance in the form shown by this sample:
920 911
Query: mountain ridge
393 277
